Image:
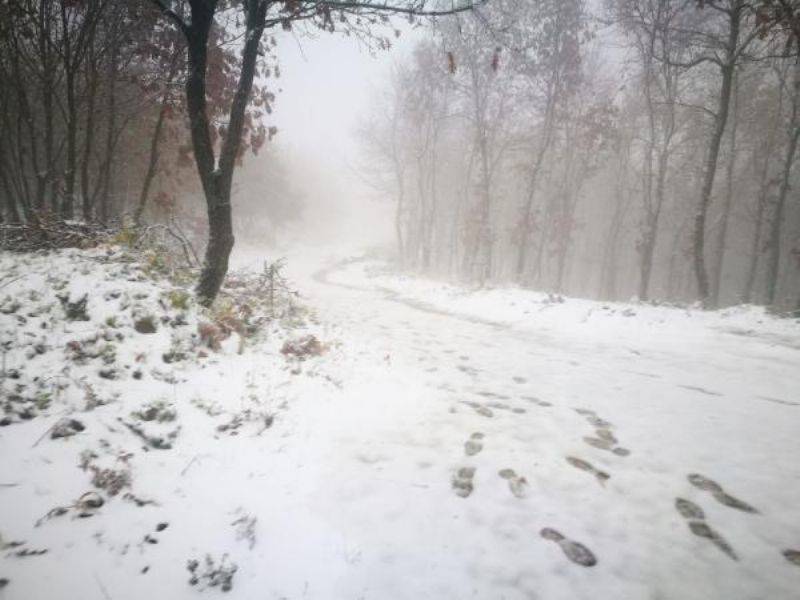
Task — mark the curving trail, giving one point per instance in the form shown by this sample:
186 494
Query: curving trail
471 436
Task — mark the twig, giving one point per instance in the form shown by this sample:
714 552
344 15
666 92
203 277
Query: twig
8 485
103 589
12 280
41 437
191 462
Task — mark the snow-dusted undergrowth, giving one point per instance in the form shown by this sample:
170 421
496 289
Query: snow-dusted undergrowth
123 406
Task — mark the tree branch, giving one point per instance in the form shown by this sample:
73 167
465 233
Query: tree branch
412 9
172 15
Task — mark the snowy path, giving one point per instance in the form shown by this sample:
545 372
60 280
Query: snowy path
448 395
436 451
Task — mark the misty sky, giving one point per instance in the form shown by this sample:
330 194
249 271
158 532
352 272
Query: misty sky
325 87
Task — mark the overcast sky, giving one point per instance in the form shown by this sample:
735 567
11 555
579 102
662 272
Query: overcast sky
325 87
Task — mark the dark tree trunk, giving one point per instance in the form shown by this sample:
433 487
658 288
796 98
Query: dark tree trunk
774 256
68 204
712 161
86 197
216 182
12 211
726 208
47 184
111 128
152 165
755 247
765 154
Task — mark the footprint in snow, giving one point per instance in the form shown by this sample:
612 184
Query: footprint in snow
793 556
486 394
596 421
779 401
709 485
474 444
516 484
536 401
482 410
575 551
593 419
471 371
583 465
702 390
606 435
689 510
697 525
501 406
498 405
462 481
603 444
605 440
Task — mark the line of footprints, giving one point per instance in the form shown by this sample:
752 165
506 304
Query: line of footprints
604 439
696 519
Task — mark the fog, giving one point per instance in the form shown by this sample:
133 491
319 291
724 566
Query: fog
399 299
361 120
327 86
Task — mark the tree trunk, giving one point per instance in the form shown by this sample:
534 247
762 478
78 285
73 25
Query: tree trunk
216 182
774 257
68 204
755 247
765 154
712 160
111 125
155 141
526 224
47 183
608 270
485 235
398 218
86 198
726 208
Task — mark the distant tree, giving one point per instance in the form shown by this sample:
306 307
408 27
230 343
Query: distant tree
647 25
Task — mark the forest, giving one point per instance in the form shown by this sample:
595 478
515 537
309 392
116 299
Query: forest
631 149
607 150
399 299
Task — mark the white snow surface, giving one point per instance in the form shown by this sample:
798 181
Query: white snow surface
351 486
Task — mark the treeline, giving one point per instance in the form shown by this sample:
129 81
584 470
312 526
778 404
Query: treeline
645 149
93 122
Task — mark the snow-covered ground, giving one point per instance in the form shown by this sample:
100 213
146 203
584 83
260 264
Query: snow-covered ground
448 444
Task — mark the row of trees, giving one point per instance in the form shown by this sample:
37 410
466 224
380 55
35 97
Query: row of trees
100 92
646 149
93 112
